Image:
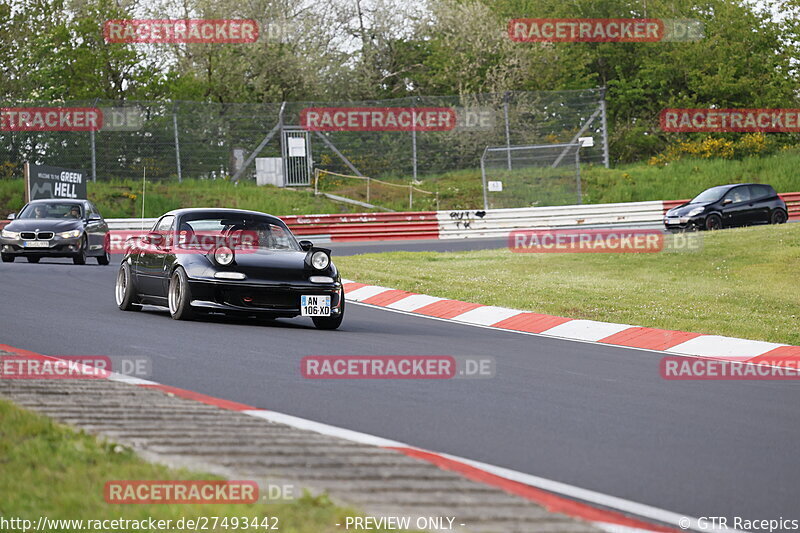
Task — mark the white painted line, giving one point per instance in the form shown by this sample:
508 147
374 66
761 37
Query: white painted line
577 493
720 347
413 302
572 492
363 293
585 330
324 429
122 378
486 315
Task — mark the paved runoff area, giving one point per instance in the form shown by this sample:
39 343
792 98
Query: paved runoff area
231 441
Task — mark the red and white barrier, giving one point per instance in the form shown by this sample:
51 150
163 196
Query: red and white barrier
468 223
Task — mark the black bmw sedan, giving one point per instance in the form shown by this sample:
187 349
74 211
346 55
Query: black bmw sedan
229 261
740 204
56 228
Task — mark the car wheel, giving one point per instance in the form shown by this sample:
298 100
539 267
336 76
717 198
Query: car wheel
124 291
7 258
329 322
180 296
33 259
778 216
80 257
713 222
104 259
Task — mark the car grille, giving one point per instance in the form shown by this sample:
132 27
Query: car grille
42 235
261 298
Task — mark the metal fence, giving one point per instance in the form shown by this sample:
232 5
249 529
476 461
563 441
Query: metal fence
531 176
195 140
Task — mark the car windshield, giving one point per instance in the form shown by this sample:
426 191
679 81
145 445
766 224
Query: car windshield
245 231
710 195
52 210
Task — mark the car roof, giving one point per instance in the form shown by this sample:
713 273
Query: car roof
59 201
732 185
216 210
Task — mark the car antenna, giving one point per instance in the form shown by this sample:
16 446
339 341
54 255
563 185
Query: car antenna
144 181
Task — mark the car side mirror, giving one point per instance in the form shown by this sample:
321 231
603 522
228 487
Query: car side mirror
94 217
12 216
154 238
727 201
306 245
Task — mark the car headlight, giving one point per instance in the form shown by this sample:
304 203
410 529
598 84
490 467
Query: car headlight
70 234
9 234
320 260
694 212
223 256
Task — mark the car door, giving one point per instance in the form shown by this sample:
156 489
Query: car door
761 197
96 228
150 260
735 206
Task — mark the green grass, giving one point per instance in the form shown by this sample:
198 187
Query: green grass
743 283
636 182
456 190
123 199
52 470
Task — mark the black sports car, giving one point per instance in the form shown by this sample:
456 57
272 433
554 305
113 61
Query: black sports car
229 261
56 228
740 204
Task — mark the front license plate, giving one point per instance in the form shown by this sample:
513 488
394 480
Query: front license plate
673 221
315 305
36 244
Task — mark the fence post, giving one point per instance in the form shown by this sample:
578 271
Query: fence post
578 173
368 180
410 197
483 179
177 143
414 138
94 152
508 130
94 157
605 126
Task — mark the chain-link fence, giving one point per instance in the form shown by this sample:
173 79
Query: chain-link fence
184 140
531 176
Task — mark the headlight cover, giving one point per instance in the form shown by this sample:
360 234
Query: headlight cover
70 234
696 211
223 256
9 234
320 260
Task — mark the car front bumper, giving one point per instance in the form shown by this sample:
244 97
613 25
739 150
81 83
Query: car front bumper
57 247
281 300
684 223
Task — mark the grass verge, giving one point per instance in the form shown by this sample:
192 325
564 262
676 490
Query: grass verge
123 199
54 471
742 283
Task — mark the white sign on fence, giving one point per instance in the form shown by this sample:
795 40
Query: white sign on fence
495 186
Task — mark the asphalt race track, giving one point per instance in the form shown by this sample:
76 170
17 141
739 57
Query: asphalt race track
594 416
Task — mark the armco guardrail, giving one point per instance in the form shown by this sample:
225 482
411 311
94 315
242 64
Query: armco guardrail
499 222
460 224
367 226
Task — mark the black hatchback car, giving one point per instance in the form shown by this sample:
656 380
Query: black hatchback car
56 228
229 261
740 204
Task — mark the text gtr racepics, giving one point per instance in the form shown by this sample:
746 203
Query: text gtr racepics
229 261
